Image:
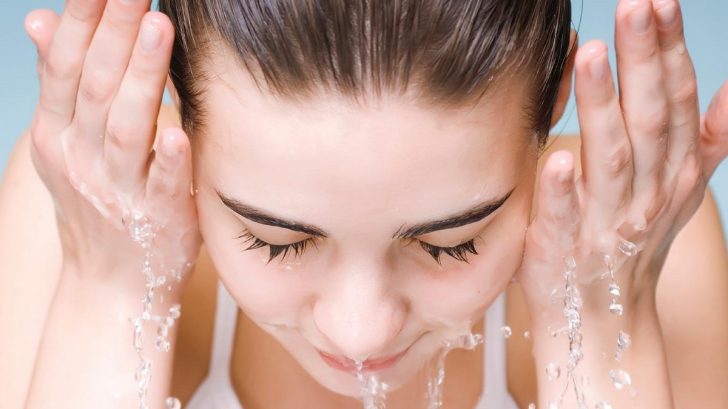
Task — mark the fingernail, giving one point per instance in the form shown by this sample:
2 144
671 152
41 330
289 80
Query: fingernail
35 25
169 140
599 67
640 18
150 36
667 15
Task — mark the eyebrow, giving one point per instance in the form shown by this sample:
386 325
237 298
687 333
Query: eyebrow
460 219
463 218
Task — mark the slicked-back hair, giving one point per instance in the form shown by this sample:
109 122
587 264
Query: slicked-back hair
447 51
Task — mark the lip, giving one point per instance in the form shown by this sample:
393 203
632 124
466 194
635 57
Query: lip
370 365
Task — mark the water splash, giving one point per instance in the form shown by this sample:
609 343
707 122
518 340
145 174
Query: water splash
373 392
143 232
468 341
572 304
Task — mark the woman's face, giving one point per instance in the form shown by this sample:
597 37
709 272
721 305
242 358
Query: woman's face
362 187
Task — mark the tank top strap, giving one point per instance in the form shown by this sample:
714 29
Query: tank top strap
495 386
226 314
216 391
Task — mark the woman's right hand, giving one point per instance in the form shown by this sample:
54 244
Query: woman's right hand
102 68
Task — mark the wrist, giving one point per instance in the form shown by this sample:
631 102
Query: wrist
639 366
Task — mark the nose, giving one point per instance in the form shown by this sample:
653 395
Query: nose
359 316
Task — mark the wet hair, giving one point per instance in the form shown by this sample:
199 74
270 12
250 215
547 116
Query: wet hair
447 52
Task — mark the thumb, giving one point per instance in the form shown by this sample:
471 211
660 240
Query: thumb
41 25
714 132
551 235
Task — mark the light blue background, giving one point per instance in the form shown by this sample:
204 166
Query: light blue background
706 30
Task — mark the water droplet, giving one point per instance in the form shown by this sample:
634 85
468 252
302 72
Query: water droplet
623 340
553 370
162 344
603 405
506 331
616 309
620 378
570 263
174 311
172 403
527 334
553 405
627 248
614 290
531 405
137 336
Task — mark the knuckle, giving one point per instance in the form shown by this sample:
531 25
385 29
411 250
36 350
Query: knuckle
686 94
61 65
654 122
619 160
692 170
118 133
96 87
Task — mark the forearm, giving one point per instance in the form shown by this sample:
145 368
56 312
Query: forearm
87 359
644 360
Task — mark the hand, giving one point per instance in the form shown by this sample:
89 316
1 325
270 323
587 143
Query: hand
102 80
647 156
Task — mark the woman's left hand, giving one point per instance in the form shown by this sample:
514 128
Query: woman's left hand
647 156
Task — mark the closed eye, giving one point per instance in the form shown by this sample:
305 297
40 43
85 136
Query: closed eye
459 252
275 249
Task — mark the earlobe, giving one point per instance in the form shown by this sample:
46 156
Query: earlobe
565 86
172 92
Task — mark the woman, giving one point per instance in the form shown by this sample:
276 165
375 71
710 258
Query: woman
377 164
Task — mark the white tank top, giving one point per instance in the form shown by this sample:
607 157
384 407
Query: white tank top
216 391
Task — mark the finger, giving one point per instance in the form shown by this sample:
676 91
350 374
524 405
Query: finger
40 25
127 143
63 62
106 62
714 132
680 83
170 176
605 149
644 101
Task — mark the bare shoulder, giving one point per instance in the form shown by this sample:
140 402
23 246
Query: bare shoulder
30 260
692 303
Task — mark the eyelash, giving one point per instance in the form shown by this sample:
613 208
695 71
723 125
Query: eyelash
459 252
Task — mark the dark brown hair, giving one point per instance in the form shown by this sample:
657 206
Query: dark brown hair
449 51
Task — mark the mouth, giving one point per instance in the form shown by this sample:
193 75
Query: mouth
370 365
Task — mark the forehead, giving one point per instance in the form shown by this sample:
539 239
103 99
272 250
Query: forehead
278 153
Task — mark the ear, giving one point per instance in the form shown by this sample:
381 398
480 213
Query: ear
565 86
172 92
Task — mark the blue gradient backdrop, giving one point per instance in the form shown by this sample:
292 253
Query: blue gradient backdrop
706 31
